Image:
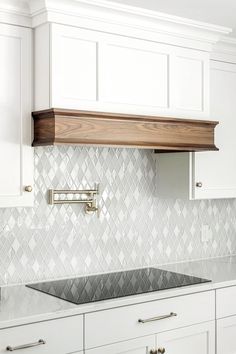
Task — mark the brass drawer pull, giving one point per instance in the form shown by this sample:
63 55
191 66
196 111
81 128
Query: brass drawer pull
25 346
158 318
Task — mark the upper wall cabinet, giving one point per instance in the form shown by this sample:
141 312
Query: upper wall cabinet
16 153
207 174
91 70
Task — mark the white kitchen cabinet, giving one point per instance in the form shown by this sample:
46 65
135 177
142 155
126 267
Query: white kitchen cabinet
225 302
207 175
226 320
189 83
123 323
142 345
82 69
226 330
199 338
195 339
16 153
60 336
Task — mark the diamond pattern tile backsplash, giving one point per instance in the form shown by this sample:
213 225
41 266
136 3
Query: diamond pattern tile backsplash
135 229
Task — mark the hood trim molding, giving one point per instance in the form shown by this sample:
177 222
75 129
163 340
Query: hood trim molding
72 127
112 17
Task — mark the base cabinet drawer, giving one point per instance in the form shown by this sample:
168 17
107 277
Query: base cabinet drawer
193 339
60 336
120 324
225 302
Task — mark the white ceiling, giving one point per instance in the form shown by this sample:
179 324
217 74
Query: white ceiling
219 12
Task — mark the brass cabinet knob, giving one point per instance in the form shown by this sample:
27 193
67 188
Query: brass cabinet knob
161 350
28 189
199 184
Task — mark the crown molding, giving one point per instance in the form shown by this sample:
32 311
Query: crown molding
15 12
225 50
112 17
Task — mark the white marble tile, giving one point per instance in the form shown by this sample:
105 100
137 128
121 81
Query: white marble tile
136 228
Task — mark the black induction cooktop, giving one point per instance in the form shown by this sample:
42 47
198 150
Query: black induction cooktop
114 285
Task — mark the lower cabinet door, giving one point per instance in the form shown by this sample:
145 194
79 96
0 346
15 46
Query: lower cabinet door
143 345
194 339
226 335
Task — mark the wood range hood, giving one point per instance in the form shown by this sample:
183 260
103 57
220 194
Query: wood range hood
73 127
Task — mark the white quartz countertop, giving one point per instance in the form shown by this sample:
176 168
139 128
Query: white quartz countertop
20 305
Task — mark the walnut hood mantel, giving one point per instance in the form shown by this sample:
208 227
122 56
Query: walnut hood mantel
73 127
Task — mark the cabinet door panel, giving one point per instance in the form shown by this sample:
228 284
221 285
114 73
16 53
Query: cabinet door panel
190 83
93 70
74 66
194 339
134 72
16 154
217 170
141 345
10 132
226 330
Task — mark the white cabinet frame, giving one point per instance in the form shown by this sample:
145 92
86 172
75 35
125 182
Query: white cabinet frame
16 153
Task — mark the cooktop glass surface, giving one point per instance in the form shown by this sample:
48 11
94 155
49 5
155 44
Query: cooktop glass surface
114 285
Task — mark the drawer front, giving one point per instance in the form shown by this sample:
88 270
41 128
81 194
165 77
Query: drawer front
225 302
61 336
122 323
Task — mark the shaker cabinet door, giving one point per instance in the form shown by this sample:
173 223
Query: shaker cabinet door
193 339
143 345
217 170
16 153
226 332
207 175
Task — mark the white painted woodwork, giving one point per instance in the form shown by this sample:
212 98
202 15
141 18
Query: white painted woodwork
42 74
16 153
141 345
194 339
125 323
225 50
105 72
73 66
62 336
135 72
225 302
175 175
216 170
190 82
226 329
109 16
